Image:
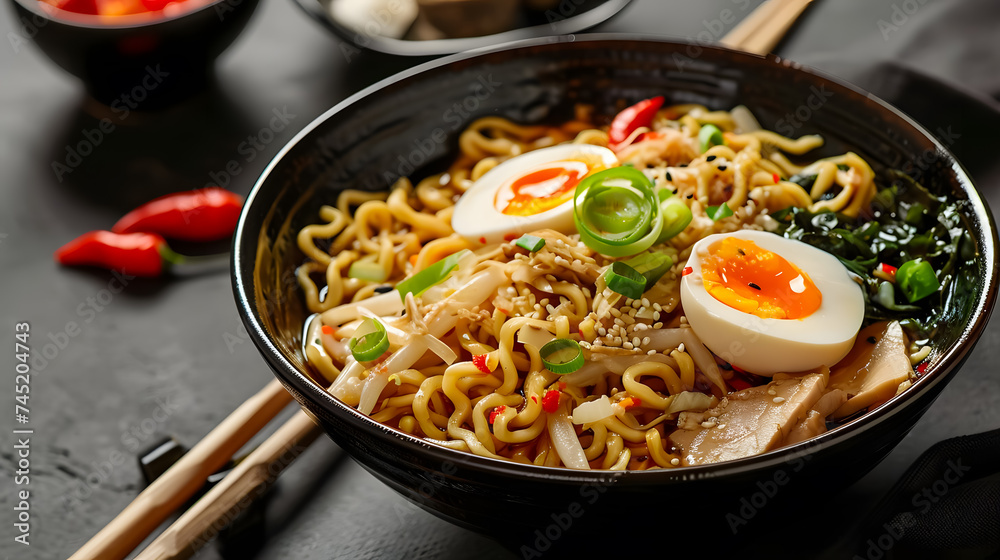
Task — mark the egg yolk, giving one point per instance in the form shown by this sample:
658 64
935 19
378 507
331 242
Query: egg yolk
540 189
754 280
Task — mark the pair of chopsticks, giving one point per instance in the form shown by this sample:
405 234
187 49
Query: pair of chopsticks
764 28
182 480
758 33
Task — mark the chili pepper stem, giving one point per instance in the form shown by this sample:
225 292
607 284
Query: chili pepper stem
187 265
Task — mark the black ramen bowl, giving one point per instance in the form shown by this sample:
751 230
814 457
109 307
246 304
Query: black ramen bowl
394 128
137 61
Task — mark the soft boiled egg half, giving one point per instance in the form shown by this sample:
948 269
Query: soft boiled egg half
767 304
528 192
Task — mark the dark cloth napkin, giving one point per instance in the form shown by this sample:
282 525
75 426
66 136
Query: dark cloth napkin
946 505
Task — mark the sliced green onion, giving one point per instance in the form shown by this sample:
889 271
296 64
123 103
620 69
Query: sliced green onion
652 266
676 215
886 297
430 276
370 341
625 280
530 243
718 212
562 356
709 136
616 212
367 269
917 279
915 214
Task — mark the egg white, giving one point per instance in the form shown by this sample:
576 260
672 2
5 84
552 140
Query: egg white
769 346
476 217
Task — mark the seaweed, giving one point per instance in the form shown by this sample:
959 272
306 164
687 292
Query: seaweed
906 221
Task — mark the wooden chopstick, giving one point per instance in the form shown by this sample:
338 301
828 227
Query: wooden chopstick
182 480
757 33
247 481
763 29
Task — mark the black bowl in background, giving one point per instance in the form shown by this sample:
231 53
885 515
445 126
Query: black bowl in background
137 62
389 129
569 16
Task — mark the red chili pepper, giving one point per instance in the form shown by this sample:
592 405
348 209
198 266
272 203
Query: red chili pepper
687 270
479 361
550 400
776 178
887 269
630 403
625 123
922 368
739 383
135 254
200 215
497 412
327 330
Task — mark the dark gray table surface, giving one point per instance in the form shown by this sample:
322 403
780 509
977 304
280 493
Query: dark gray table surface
171 358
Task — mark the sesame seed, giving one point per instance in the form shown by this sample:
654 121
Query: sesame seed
627 345
632 312
710 158
645 302
707 424
656 307
651 352
778 400
636 341
615 312
681 347
550 278
771 391
657 325
544 302
675 461
645 341
656 315
618 341
684 319
628 302
636 304
722 426
602 331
